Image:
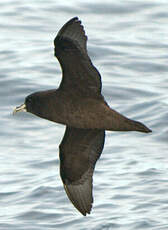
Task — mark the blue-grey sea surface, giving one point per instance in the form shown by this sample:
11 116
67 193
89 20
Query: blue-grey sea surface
128 43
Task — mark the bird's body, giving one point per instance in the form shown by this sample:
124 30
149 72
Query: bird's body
72 110
78 104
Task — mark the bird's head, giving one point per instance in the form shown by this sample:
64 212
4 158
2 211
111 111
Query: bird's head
40 103
32 104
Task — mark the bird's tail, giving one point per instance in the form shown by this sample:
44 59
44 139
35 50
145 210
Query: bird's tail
122 123
132 125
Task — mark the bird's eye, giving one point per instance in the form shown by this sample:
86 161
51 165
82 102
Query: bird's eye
29 100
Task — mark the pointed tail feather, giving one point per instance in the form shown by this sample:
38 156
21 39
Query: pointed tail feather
118 122
138 126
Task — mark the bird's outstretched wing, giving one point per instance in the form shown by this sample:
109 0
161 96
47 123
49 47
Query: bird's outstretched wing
79 151
79 74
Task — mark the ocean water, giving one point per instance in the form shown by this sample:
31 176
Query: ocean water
128 43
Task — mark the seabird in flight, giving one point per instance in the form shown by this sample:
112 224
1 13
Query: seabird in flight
78 104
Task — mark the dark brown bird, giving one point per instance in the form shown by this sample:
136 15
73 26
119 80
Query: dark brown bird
78 104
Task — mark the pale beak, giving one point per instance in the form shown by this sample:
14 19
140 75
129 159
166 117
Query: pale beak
21 108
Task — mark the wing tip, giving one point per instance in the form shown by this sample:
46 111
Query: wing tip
73 33
73 19
68 23
79 199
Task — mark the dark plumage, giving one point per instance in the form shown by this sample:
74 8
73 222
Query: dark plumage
78 104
